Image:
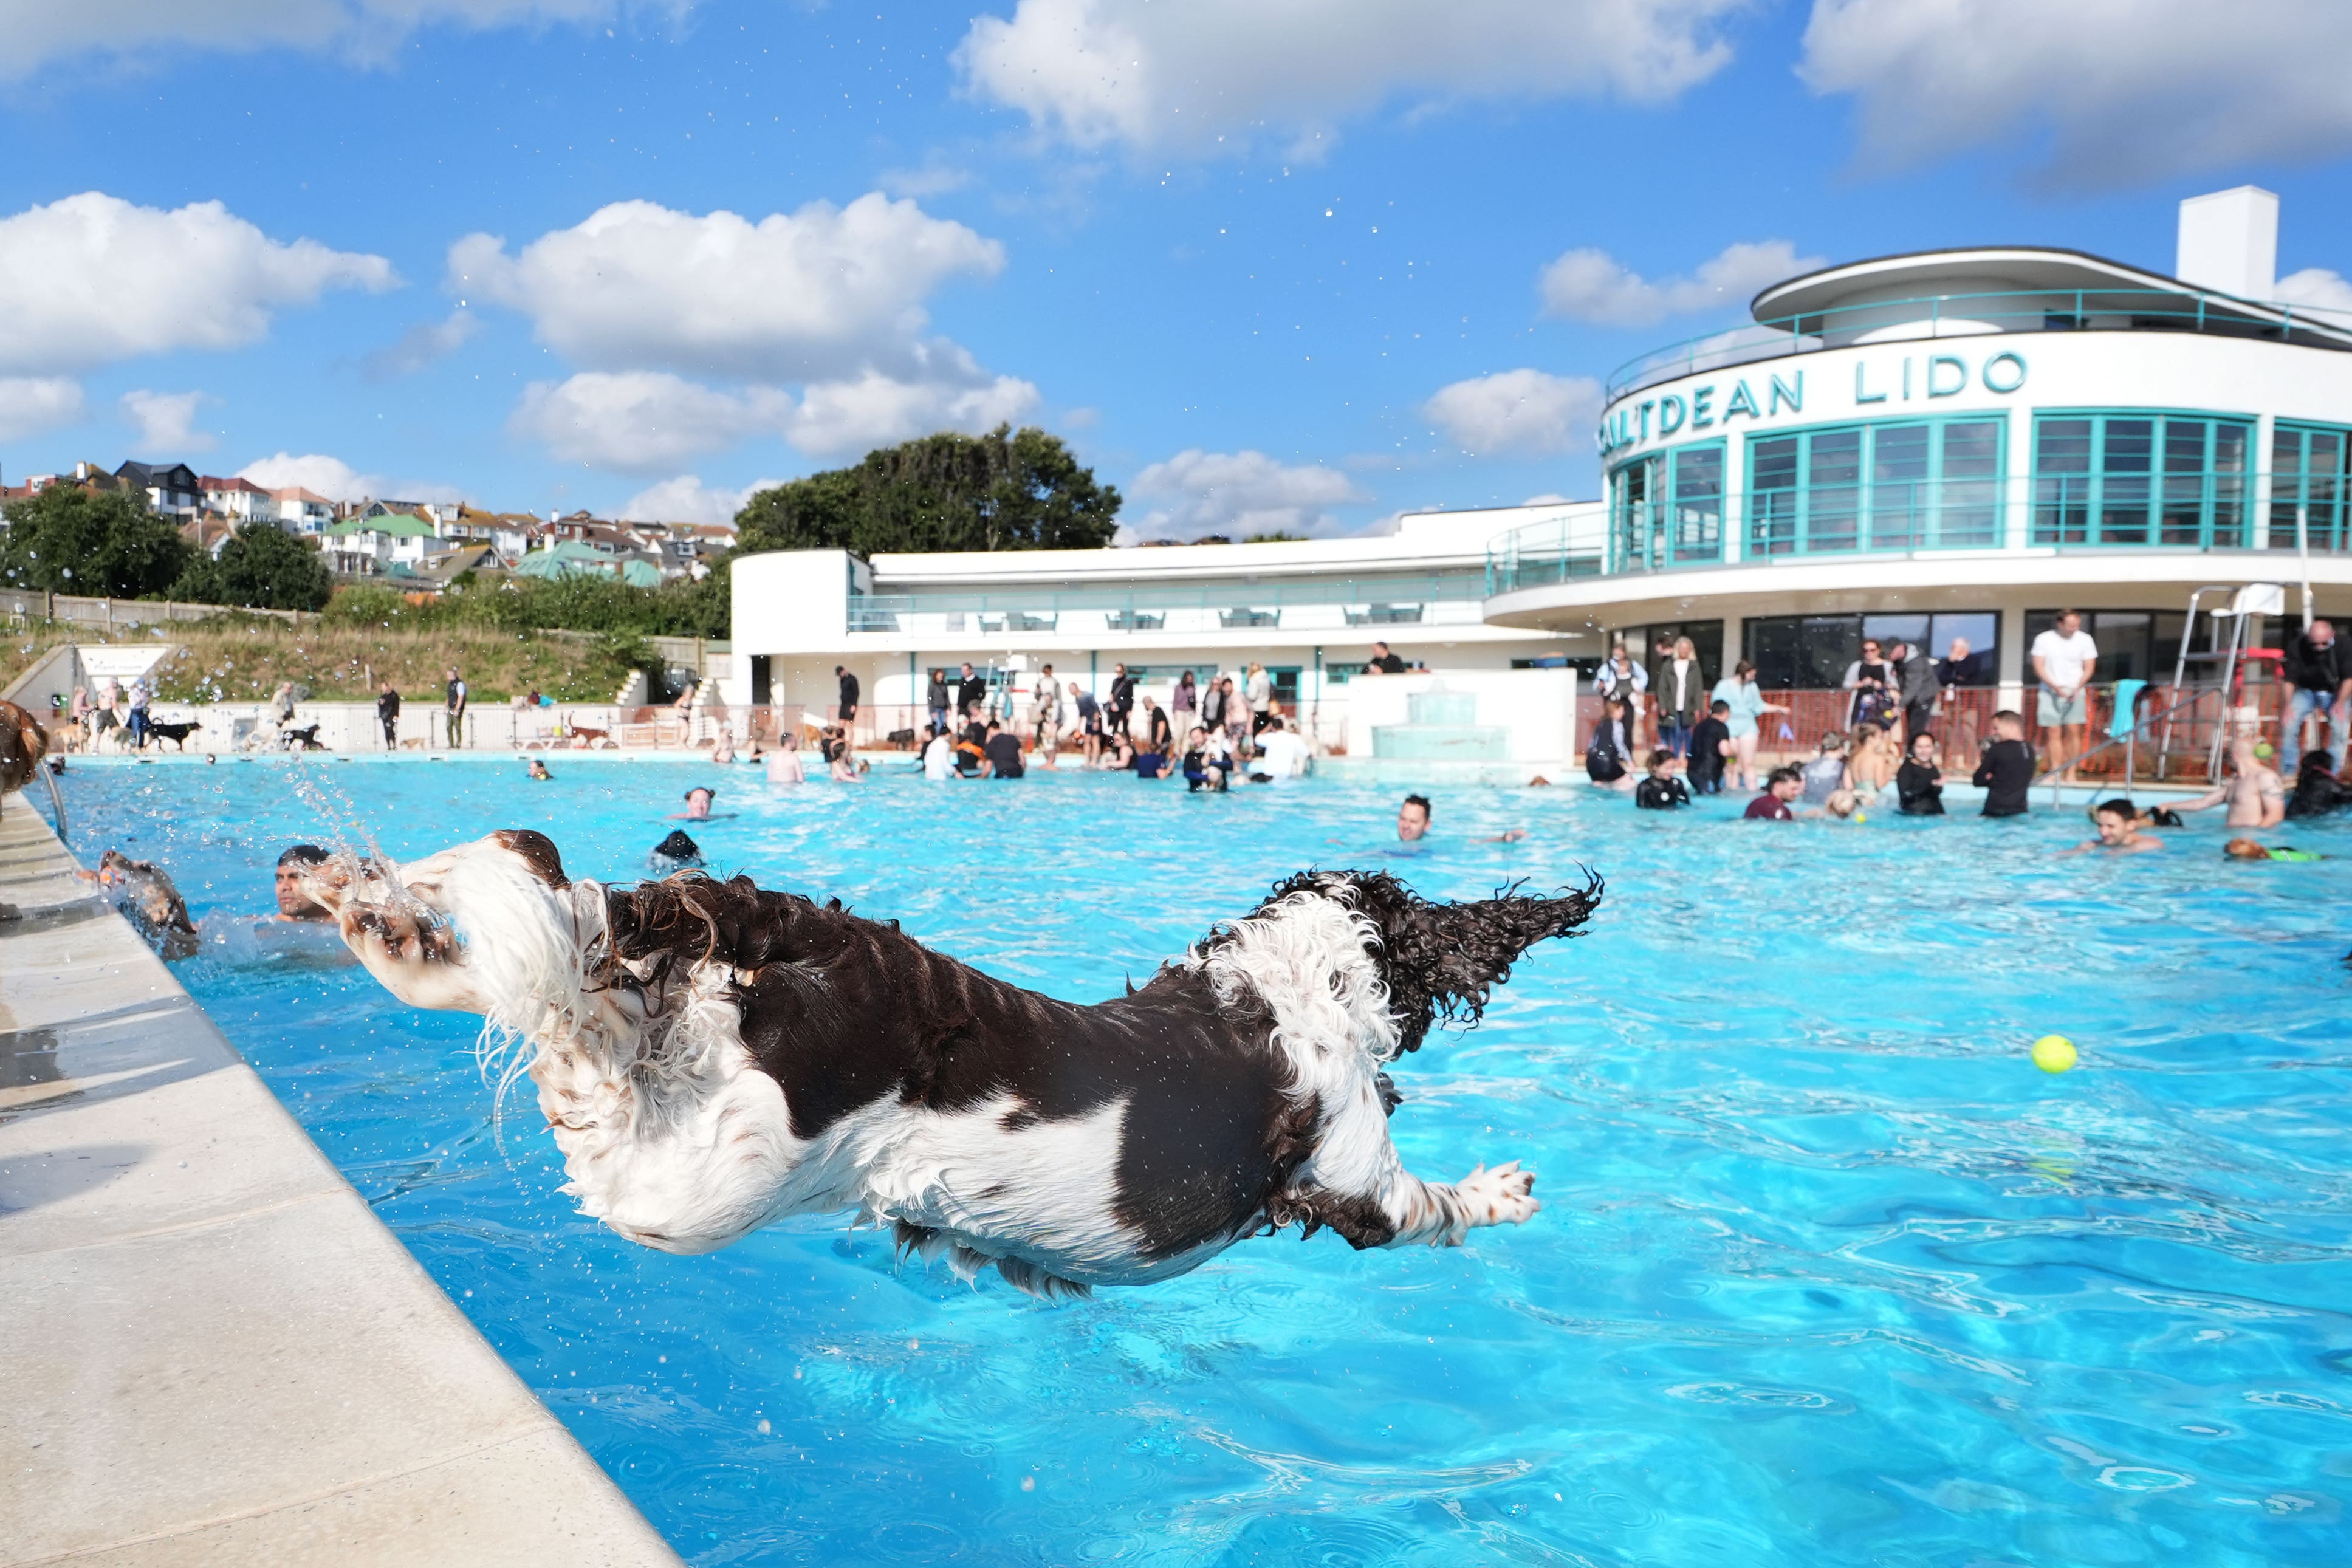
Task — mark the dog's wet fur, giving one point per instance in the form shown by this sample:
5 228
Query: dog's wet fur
712 1056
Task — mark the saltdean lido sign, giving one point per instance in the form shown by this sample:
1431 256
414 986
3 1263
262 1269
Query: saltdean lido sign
1711 407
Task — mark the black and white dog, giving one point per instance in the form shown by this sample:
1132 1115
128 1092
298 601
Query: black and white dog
712 1057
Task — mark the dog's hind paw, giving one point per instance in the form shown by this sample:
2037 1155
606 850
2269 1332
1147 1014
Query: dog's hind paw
1498 1196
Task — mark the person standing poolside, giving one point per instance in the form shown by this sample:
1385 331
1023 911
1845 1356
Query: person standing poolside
1045 714
452 710
1258 692
1383 662
1919 686
935 697
1919 782
1237 717
1159 734
2318 669
2065 660
1781 786
1680 689
1744 704
1710 749
387 714
1213 705
141 696
2255 794
1090 725
971 691
848 696
1871 679
1184 702
2006 769
1117 711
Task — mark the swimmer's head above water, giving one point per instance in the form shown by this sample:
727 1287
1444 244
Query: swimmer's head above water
1413 817
293 902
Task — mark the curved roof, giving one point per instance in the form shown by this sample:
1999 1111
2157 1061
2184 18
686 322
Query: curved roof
1917 272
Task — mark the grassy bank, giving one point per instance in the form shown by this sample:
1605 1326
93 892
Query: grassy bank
234 658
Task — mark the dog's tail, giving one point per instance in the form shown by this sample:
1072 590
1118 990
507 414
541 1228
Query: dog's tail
1439 960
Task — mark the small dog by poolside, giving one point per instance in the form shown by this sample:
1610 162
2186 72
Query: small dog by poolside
712 1057
177 734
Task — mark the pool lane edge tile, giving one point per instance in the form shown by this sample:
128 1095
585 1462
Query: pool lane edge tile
221 1353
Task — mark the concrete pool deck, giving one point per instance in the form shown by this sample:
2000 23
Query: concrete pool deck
215 1353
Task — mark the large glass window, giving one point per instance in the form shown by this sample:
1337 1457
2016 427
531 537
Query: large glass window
1897 486
2129 479
2307 487
1810 652
1668 509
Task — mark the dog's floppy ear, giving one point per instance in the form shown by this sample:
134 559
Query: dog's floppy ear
538 852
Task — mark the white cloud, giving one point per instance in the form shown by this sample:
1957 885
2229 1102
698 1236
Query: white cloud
687 500
851 417
92 279
1237 494
35 405
1145 75
2110 91
824 291
165 422
339 480
1524 411
421 345
639 421
42 31
1592 286
2316 288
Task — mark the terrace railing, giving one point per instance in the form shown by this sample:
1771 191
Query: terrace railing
1930 316
1304 605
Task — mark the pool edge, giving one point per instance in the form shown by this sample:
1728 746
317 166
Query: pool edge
220 1353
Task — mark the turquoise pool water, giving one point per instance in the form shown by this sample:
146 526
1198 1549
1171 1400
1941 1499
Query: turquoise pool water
1827 1273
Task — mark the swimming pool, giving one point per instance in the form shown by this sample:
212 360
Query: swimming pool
1827 1273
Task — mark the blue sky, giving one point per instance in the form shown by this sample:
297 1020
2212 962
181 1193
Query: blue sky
1267 265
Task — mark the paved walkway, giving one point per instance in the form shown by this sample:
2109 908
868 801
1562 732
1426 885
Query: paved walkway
214 1352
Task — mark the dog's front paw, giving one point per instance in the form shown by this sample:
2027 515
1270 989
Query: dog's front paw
1499 1197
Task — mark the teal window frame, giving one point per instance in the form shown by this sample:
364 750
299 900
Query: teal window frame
2141 478
1875 486
1677 519
2317 487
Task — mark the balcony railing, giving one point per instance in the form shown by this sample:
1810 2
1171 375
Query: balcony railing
1971 315
2190 511
1303 606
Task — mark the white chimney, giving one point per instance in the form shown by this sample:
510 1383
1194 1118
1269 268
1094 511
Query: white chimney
2228 242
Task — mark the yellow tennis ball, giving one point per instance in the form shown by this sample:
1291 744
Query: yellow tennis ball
1862 816
2053 1053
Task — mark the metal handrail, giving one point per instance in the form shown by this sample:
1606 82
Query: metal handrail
2129 739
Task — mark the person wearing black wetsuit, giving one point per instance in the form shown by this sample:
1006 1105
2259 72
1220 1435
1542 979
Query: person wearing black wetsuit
1708 740
1661 790
1919 783
2007 769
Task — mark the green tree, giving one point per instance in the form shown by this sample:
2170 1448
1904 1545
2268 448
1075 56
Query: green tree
947 492
68 539
262 568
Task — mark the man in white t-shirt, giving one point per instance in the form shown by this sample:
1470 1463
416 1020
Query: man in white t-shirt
1281 755
2064 659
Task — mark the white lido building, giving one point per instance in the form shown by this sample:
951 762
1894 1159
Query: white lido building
1950 443
1962 443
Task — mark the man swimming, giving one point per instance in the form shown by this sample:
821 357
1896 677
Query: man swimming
2120 830
1412 824
293 904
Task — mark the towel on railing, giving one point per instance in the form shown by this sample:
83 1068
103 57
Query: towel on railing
2126 699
